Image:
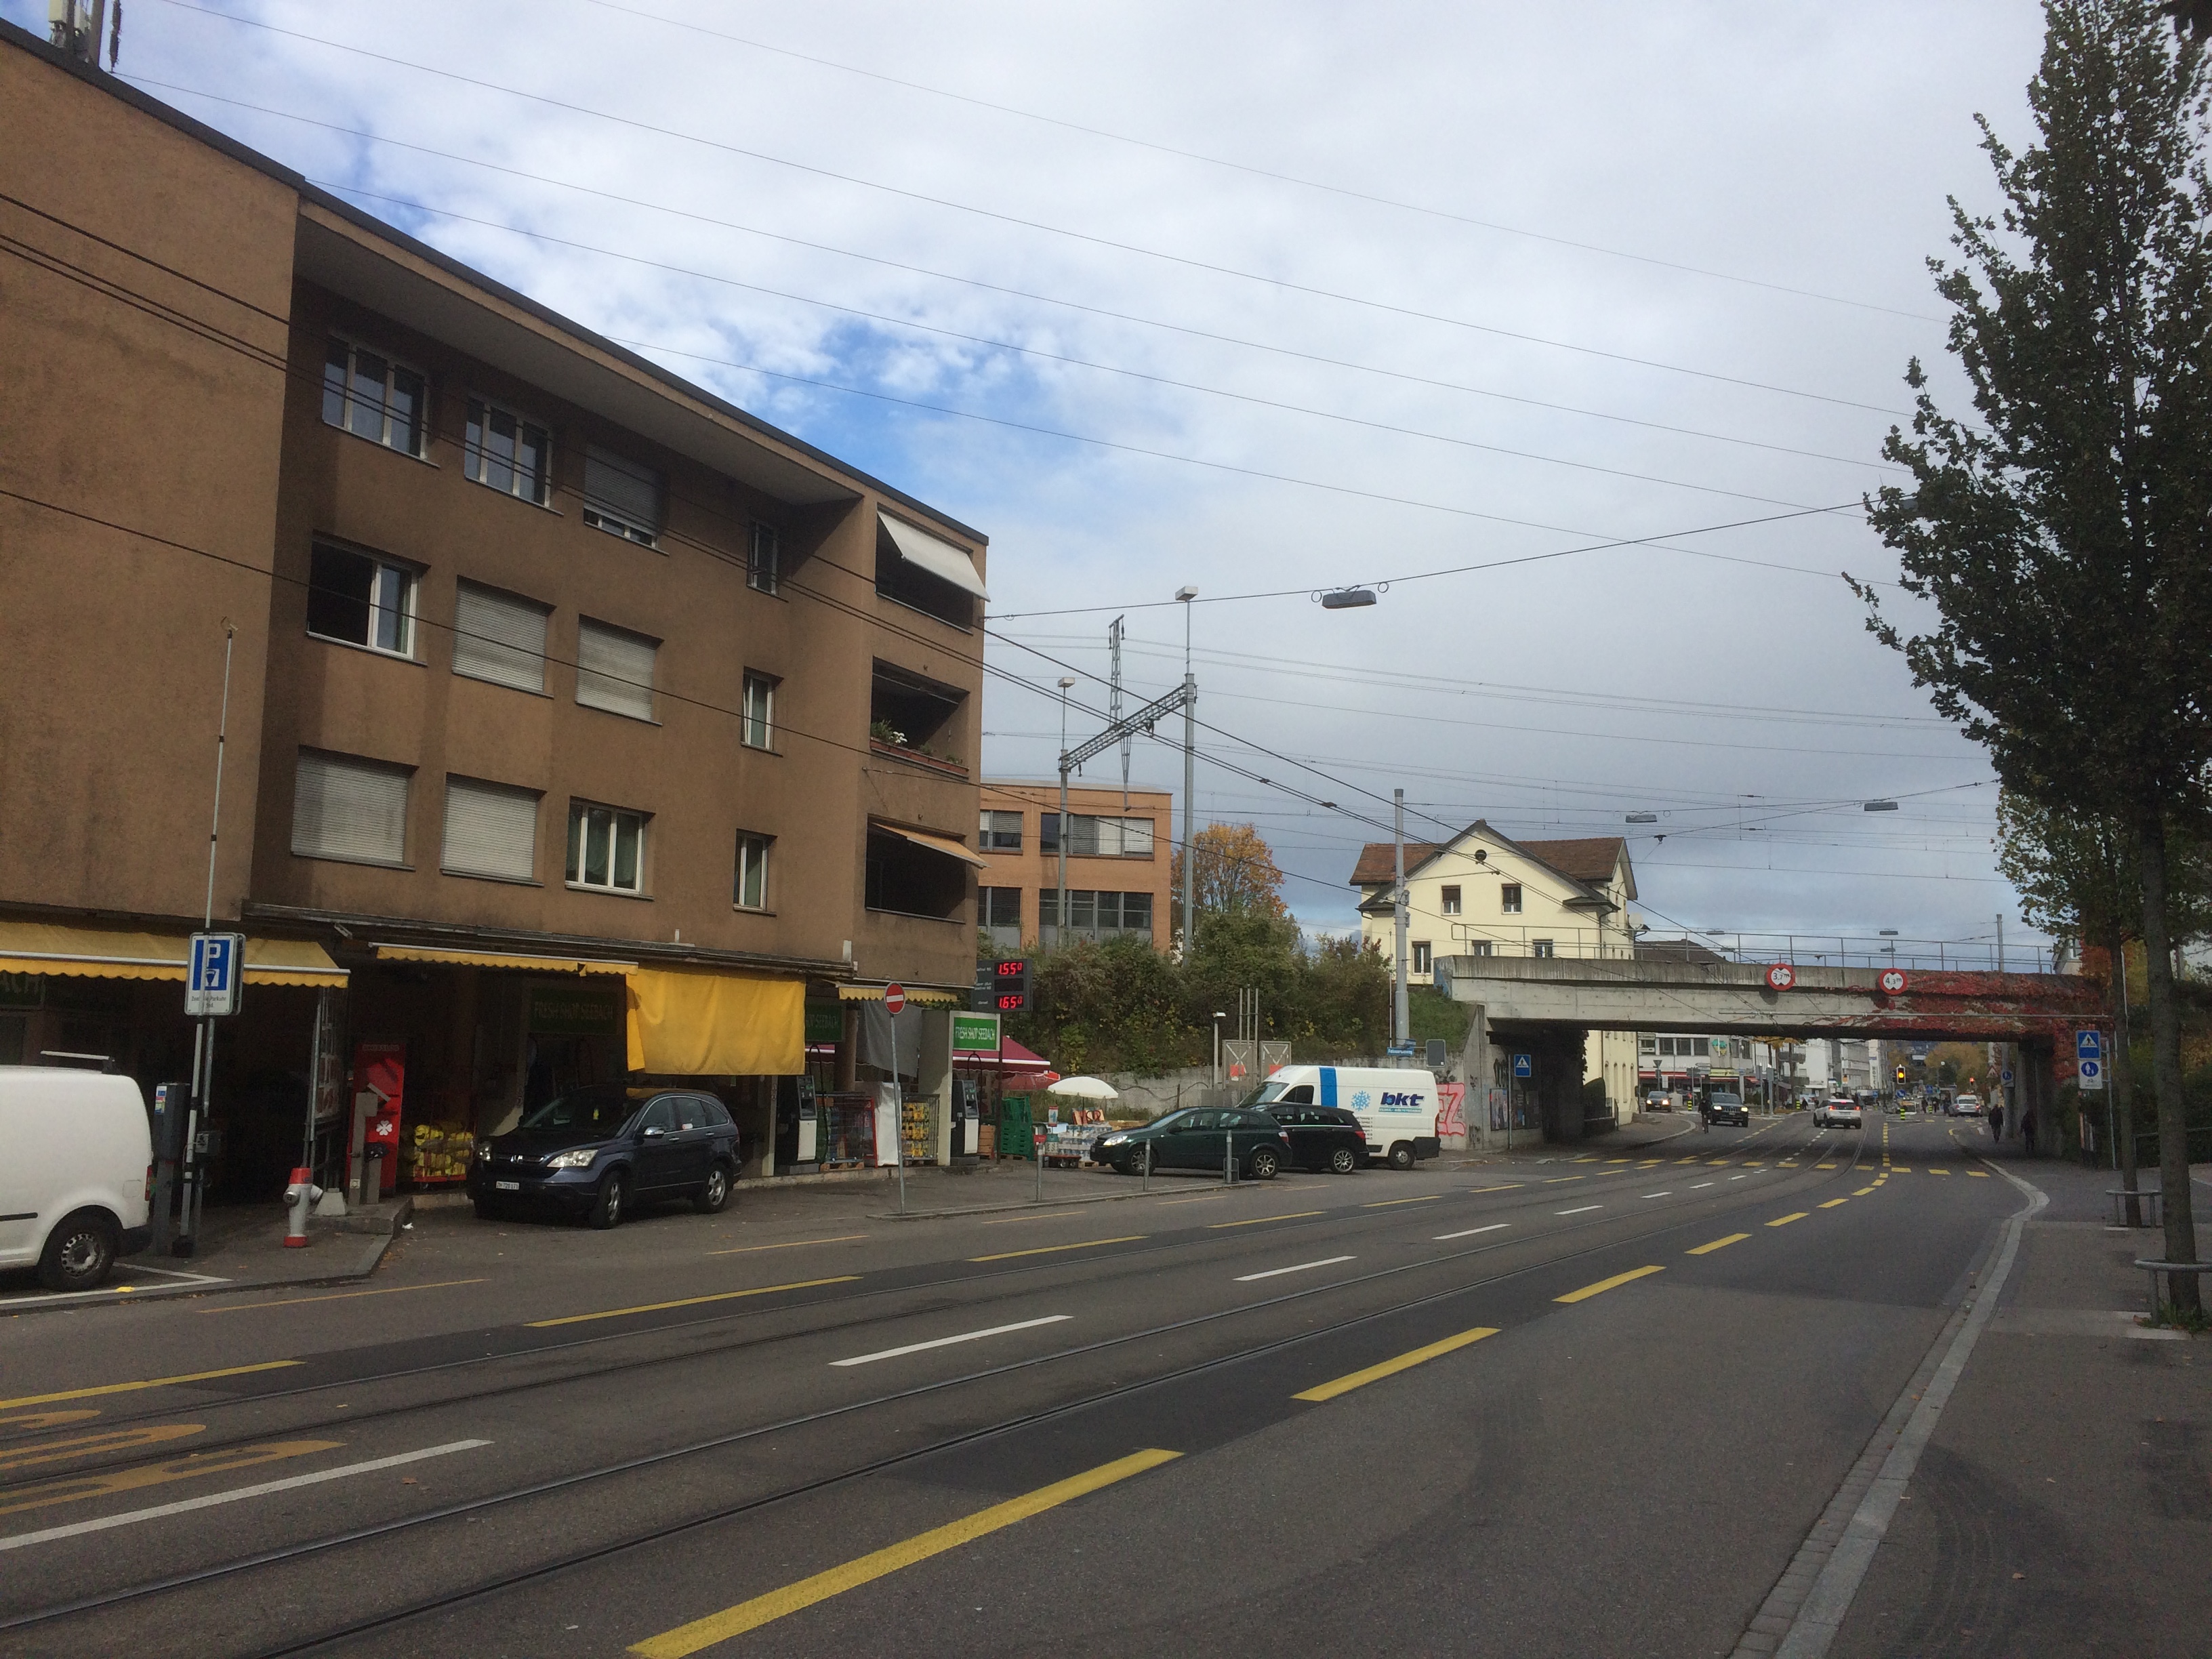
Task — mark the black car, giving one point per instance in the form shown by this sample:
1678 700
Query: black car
1722 1106
597 1150
1322 1137
1199 1139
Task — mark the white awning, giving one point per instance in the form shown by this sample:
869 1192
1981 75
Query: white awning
935 554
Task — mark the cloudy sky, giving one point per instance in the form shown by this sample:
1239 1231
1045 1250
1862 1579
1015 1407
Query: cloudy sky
1266 299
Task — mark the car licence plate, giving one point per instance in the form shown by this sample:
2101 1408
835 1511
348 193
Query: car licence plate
508 1186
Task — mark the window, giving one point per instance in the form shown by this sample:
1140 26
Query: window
503 450
360 600
926 572
1481 947
1543 947
499 637
751 889
491 829
763 566
614 670
373 397
910 711
606 848
1000 832
1090 837
998 907
760 712
1095 915
1049 832
344 807
913 879
1451 901
621 497
1508 898
1421 956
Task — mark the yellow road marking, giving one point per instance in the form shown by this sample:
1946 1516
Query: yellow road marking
1718 1244
1785 1220
1604 1284
1863 1191
1254 1221
1049 1215
1833 1202
1721 1163
155 1475
1982 1174
1824 1166
1902 1170
1051 1250
25 1421
1385 1203
1553 1181
1404 1362
1616 1160
89 1445
336 1296
150 1382
1938 1171
692 1301
747 1249
1691 1159
1203 1198
687 1639
1511 1185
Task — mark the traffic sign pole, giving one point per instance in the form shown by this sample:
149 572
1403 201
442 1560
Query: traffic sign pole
894 1001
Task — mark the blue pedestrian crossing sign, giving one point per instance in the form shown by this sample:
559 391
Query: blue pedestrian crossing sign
2089 1058
214 972
1524 1066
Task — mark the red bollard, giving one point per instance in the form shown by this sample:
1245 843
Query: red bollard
299 1195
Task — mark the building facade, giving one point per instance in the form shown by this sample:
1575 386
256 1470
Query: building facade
577 724
1120 859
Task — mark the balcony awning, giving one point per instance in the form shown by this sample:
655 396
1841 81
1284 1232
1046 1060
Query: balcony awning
498 959
699 1022
41 947
932 842
921 996
935 554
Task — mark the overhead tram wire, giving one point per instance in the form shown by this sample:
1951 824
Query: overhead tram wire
190 8
1346 191
979 283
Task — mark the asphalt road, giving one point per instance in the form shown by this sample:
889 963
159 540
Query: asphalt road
1553 1407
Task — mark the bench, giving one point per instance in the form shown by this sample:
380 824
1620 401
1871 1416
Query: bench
2120 1195
2172 1270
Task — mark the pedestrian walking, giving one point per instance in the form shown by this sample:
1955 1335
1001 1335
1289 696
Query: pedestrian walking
1996 1123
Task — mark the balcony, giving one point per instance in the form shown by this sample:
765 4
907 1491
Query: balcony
916 720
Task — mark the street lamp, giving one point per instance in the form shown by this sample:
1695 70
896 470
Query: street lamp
1183 597
1059 910
1218 1018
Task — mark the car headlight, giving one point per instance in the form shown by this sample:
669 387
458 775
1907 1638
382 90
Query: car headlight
580 1159
1115 1140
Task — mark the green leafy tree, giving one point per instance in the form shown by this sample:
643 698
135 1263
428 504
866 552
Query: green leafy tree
2065 538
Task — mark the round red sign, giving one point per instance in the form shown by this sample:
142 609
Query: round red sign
1781 976
1892 980
894 998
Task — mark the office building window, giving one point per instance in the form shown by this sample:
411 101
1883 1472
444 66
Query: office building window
1095 915
1000 907
614 669
372 397
1508 898
1421 956
1000 832
622 497
491 829
759 725
1543 947
502 449
1451 901
606 848
360 600
764 563
499 637
1091 836
350 809
750 891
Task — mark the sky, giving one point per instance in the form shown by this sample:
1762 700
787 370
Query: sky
1604 309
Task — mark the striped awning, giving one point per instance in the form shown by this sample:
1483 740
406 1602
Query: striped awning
500 959
921 995
58 948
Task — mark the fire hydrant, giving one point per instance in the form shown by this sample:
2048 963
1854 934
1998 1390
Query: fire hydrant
301 1195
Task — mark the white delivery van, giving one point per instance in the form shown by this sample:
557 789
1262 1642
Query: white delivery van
1396 1109
76 1170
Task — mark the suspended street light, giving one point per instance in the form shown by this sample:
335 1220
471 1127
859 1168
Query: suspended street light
1878 806
1643 817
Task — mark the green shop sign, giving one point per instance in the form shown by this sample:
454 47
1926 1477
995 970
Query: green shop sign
825 1022
976 1033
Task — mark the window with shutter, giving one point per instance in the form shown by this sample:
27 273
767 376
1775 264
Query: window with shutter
344 807
614 670
499 637
491 829
621 496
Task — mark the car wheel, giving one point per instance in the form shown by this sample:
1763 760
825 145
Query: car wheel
1401 1156
716 1194
614 1193
1344 1160
1264 1163
79 1254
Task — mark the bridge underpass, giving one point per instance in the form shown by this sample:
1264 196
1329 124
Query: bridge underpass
1545 1006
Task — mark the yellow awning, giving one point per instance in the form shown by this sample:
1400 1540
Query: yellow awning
933 843
923 995
46 947
500 959
695 1023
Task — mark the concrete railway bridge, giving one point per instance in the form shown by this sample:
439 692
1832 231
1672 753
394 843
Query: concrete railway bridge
1545 1006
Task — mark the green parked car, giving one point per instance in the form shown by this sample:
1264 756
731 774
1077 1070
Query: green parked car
1199 1139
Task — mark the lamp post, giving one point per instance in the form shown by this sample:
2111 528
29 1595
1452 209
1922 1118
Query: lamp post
1059 910
1183 597
1218 1017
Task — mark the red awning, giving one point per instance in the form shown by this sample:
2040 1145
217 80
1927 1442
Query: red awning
1019 1058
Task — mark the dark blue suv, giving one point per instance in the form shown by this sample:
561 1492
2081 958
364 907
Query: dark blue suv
597 1150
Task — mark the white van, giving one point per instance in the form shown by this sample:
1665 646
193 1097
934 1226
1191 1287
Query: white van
77 1171
1397 1109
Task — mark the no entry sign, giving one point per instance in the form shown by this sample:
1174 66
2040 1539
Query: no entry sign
894 998
1781 976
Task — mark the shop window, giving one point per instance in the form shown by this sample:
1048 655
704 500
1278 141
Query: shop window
606 848
499 637
350 809
999 832
764 563
750 889
1508 898
622 497
507 452
491 829
759 722
614 669
1451 901
358 600
367 394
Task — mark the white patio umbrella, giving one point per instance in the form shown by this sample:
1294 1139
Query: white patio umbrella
1086 1088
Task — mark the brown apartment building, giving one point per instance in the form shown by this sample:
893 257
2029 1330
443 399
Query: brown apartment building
579 724
1120 862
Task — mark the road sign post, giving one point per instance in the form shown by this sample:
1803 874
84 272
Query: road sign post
2089 1059
214 974
895 999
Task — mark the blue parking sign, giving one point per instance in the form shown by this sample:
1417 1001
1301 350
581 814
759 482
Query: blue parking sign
1524 1066
215 970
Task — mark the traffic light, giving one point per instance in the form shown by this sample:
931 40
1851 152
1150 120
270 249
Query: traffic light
1900 1074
